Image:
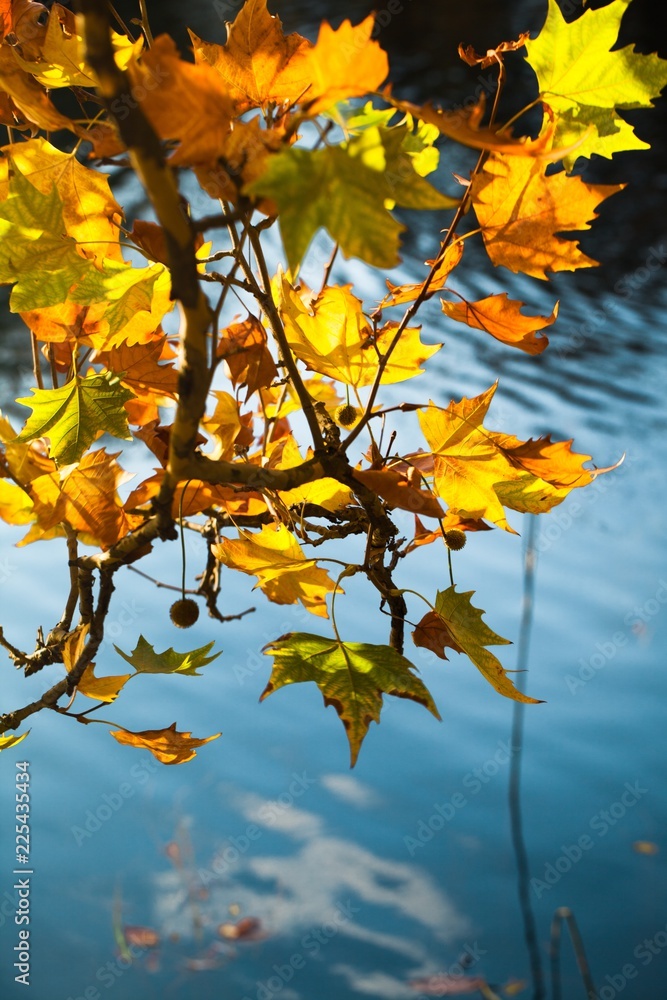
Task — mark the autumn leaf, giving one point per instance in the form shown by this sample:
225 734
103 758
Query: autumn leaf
352 676
35 252
104 689
151 383
243 347
25 461
334 337
74 415
15 504
197 496
401 294
11 741
345 62
189 103
90 213
30 97
464 126
521 210
284 574
258 63
167 745
60 61
225 425
585 84
477 471
326 492
456 624
344 189
503 319
134 299
86 498
146 660
5 17
398 491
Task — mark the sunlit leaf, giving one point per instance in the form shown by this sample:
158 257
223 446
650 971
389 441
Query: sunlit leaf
11 741
146 660
502 318
352 676
167 745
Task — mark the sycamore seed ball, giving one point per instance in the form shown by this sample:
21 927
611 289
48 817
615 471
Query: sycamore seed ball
184 613
346 415
455 539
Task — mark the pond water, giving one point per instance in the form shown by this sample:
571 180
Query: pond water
369 880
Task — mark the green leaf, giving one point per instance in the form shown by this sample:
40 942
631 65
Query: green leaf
585 84
73 416
125 290
145 660
36 255
345 190
352 677
458 625
11 741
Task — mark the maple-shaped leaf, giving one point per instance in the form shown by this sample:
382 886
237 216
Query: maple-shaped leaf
334 337
474 469
104 689
352 676
552 461
503 319
401 294
35 252
138 368
86 498
520 210
284 574
585 84
198 496
225 425
11 741
125 292
456 624
167 745
243 347
259 63
344 189
146 660
74 415
345 62
25 461
182 101
90 213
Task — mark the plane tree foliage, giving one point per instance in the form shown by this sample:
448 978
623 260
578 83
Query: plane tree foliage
258 399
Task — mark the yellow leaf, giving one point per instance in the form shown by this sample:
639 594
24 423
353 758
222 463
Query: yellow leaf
168 745
30 97
100 688
401 294
326 492
477 471
225 425
520 210
259 63
11 741
332 336
90 212
284 574
503 319
344 63
15 504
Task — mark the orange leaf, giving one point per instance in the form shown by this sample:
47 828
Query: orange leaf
168 745
520 210
344 63
398 491
141 937
188 103
552 461
30 97
503 319
259 63
243 346
492 56
464 126
198 496
85 496
5 17
400 294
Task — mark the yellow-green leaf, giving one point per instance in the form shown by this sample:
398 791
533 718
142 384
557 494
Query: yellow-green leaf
146 660
352 676
74 415
458 625
585 84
